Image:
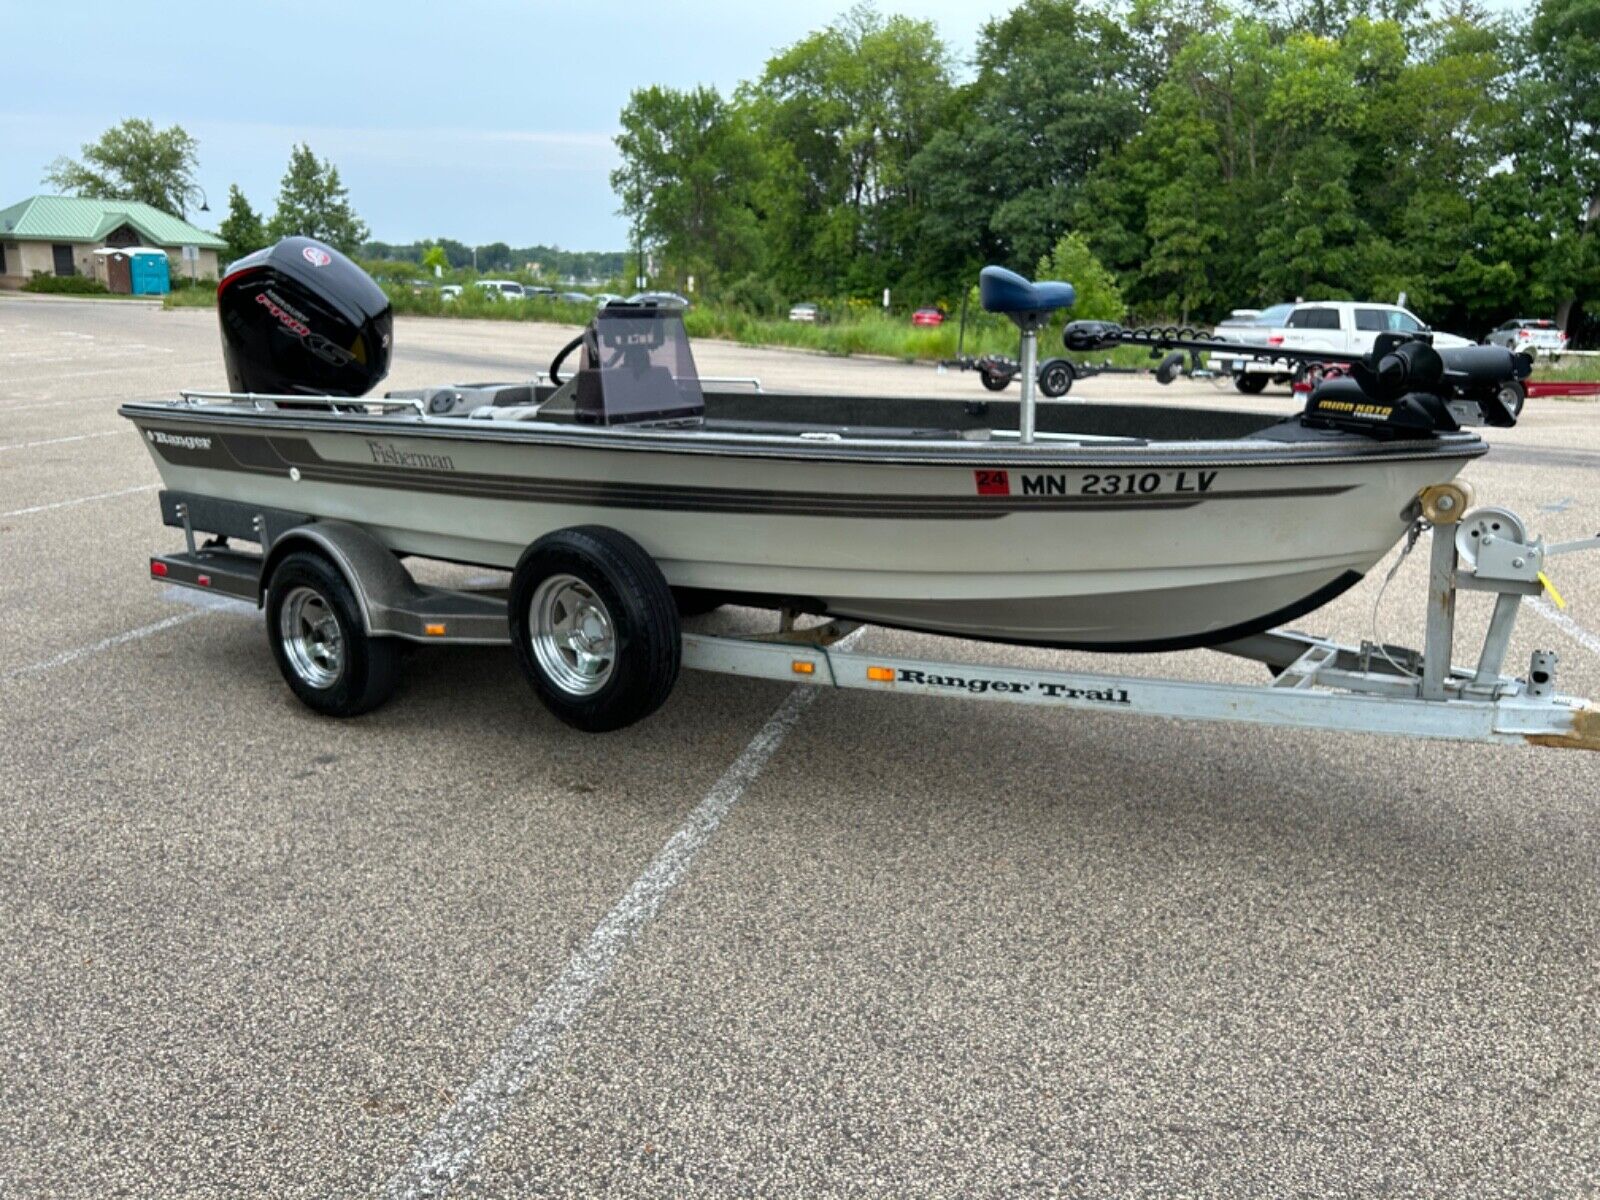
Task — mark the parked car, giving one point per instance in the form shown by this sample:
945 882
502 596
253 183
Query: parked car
574 297
927 316
502 289
604 298
1529 335
661 299
530 290
1252 318
1336 326
450 291
805 312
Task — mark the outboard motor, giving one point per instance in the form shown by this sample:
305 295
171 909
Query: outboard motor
299 318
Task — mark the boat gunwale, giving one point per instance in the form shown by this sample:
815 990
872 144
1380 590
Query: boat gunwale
972 453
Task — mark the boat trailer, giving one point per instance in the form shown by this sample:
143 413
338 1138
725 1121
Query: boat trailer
1316 683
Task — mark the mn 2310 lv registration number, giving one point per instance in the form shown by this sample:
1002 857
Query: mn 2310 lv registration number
1108 483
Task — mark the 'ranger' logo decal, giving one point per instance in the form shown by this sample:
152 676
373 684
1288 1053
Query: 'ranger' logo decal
183 441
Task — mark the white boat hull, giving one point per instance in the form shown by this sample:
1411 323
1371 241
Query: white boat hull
1124 550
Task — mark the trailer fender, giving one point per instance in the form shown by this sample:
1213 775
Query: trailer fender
375 576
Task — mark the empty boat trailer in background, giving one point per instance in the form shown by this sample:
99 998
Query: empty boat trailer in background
624 497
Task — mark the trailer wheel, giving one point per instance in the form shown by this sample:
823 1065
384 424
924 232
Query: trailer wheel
1171 367
595 627
1055 378
1250 385
994 381
323 651
1513 395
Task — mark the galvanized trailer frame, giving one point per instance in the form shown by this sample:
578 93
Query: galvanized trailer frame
1316 683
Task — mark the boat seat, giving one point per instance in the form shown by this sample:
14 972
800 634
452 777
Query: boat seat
1003 291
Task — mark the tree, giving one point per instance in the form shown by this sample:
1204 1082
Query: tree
687 161
1098 297
1058 88
435 259
1560 142
134 161
494 255
312 202
840 116
242 228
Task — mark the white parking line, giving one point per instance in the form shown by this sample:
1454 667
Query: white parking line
450 1147
77 437
117 639
125 369
1566 624
39 508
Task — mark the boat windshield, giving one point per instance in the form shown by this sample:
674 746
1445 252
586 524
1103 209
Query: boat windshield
647 371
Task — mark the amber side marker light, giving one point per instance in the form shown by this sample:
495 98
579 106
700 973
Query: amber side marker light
801 667
881 674
433 630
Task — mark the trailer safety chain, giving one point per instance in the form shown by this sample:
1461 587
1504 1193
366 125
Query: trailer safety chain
1413 535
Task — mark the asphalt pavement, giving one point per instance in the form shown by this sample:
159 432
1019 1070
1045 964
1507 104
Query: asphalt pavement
838 945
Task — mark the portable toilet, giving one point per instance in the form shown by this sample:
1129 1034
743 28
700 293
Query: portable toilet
111 269
147 271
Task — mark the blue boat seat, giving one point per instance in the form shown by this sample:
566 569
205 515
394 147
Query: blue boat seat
1003 291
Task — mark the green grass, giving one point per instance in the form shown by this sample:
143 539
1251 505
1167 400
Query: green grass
1568 370
866 332
191 297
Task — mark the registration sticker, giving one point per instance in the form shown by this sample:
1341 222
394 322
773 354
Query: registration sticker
992 483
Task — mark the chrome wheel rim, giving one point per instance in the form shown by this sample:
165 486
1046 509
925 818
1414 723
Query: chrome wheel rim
573 639
311 637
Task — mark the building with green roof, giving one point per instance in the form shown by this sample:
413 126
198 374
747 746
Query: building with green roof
60 235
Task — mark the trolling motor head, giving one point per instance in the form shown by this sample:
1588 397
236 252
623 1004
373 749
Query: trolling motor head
1405 386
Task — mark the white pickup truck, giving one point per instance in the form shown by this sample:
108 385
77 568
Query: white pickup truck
1337 326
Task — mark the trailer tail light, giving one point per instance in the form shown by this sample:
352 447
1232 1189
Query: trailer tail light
203 580
158 568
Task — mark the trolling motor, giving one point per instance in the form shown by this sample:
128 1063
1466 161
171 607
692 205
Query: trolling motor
1402 387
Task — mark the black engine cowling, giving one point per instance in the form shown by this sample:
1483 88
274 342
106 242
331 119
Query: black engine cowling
299 318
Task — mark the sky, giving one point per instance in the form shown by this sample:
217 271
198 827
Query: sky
481 120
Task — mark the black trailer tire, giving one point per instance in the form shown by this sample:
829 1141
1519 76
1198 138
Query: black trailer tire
993 381
1171 367
320 643
1513 395
595 627
1250 385
1055 377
